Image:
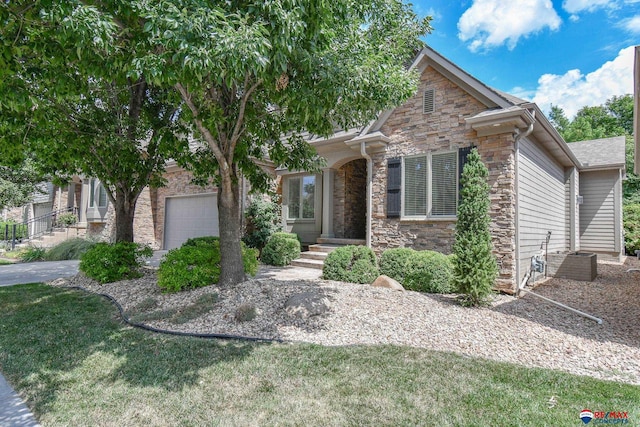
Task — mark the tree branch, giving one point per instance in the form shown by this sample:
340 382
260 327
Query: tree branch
235 136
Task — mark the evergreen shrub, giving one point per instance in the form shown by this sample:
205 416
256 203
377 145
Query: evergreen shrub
354 264
631 217
429 271
393 262
281 249
263 220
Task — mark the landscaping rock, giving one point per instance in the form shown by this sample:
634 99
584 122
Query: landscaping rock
387 282
305 305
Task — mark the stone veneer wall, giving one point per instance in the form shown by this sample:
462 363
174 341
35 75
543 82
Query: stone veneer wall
350 200
413 132
178 184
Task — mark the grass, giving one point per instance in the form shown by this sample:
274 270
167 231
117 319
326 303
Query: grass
5 262
76 364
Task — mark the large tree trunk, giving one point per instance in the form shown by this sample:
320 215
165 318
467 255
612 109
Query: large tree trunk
231 266
125 206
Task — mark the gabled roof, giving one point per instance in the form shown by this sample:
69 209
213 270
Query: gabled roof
605 153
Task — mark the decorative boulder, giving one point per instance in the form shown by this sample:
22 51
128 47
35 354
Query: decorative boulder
387 282
305 305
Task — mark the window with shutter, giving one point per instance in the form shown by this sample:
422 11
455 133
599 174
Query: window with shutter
394 183
415 186
444 184
429 101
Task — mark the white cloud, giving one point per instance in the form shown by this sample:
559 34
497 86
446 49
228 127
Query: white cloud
574 90
492 23
576 6
631 24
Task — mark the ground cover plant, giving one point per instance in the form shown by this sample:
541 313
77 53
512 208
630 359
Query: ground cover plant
75 363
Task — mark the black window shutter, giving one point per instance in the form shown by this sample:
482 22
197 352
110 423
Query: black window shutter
394 182
462 160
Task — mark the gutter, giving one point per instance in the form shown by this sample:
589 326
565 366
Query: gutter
364 154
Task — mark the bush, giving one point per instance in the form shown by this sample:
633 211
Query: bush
281 249
197 263
112 262
631 215
263 219
69 249
429 271
475 267
393 262
355 264
31 254
202 241
67 219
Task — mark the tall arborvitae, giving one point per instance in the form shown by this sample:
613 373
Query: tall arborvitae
475 267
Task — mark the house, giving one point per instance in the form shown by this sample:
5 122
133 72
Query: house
395 181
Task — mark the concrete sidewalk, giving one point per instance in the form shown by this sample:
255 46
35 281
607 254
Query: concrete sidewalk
13 411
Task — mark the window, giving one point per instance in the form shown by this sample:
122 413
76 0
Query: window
429 101
102 194
302 195
430 185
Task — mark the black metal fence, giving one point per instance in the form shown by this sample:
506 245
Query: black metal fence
13 233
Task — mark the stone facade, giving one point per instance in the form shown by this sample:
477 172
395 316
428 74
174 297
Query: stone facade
413 132
350 200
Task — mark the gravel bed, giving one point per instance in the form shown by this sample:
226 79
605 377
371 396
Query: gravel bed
526 331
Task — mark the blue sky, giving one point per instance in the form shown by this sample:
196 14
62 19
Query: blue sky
569 53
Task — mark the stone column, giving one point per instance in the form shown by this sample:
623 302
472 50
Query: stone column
328 176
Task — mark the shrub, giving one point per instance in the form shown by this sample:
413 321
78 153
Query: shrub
393 262
107 263
281 249
475 267
197 263
245 312
202 241
31 254
631 215
355 264
429 271
263 219
67 219
69 249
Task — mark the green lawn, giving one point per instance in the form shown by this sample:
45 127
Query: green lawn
76 364
5 262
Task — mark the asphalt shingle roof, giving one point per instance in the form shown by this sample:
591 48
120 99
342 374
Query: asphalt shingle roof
600 152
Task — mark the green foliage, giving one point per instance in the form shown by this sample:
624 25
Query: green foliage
196 264
18 184
631 214
263 219
67 219
31 254
429 271
281 249
113 262
69 249
203 241
245 312
354 264
8 233
631 185
475 267
393 263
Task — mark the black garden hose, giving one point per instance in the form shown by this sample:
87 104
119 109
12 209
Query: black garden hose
177 333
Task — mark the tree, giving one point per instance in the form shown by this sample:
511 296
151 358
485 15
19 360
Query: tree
18 184
83 113
254 76
475 267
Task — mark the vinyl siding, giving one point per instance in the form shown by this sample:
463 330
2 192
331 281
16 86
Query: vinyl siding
541 203
598 231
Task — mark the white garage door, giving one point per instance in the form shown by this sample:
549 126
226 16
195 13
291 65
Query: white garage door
191 216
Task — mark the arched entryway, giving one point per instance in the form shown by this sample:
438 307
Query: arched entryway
350 200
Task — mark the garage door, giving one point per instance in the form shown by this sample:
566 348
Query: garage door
191 216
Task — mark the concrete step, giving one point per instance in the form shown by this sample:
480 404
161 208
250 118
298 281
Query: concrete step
314 255
308 263
340 242
323 248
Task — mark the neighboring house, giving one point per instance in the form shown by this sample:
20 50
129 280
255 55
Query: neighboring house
395 182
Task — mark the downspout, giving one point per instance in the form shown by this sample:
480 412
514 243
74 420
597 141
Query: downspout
364 154
518 137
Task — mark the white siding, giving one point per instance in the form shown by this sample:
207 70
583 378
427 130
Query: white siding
190 216
541 203
598 213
